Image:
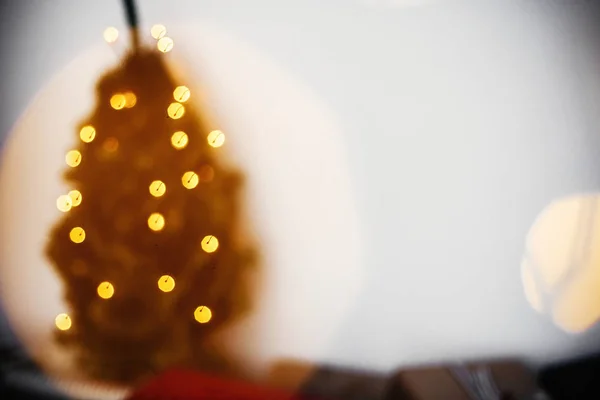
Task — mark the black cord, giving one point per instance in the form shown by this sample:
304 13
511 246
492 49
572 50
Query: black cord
132 20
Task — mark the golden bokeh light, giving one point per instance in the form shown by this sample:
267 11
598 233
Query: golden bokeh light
181 94
73 158
76 197
189 180
175 110
165 44
77 235
210 243
216 138
156 222
130 99
202 314
166 283
158 31
63 322
87 133
206 173
179 140
111 144
157 188
117 101
106 290
111 34
64 203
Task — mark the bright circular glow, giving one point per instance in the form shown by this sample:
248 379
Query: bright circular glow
111 34
202 314
87 133
157 188
64 203
63 322
175 110
73 158
106 290
76 197
210 244
158 31
189 180
216 138
179 140
181 94
166 283
117 101
156 222
130 99
165 44
77 235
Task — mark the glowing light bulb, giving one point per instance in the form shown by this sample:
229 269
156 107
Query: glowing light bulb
117 101
77 235
130 99
202 314
106 290
206 173
157 188
73 158
210 244
87 133
181 94
76 197
175 110
189 180
64 203
179 140
156 222
216 138
63 322
165 44
166 283
158 31
111 34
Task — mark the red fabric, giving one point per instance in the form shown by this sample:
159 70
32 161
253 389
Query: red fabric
188 385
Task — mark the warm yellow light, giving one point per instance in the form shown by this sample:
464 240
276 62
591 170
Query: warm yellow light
111 34
76 197
73 158
206 173
87 133
176 110
210 244
165 44
63 322
77 235
181 94
216 138
64 203
156 222
157 188
158 31
166 283
179 140
117 101
130 99
202 314
106 290
189 180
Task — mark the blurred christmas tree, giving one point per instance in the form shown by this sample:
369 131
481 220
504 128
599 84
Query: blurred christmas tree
149 249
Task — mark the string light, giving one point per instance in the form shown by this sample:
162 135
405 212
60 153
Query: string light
206 173
202 314
111 34
166 283
73 158
117 101
87 133
210 244
63 322
76 197
64 203
106 290
189 180
77 235
179 140
111 144
156 222
216 138
181 94
158 31
165 44
130 99
157 188
175 110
